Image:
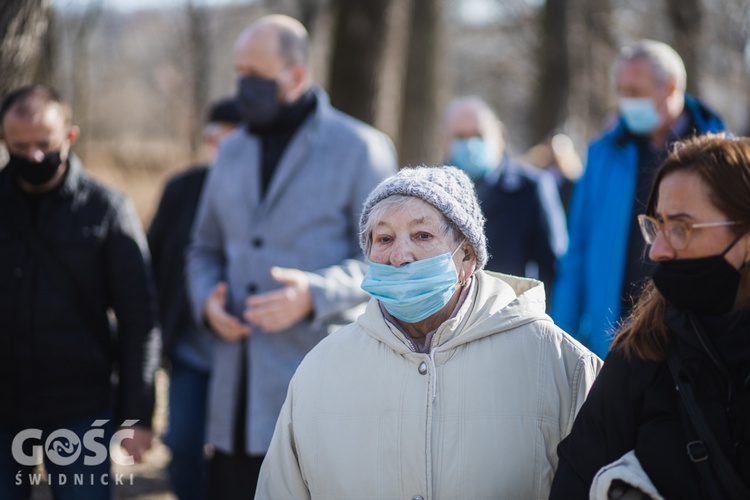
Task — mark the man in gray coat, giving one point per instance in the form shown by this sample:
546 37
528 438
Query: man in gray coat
274 264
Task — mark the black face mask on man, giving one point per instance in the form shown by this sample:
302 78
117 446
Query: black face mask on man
707 285
258 100
36 173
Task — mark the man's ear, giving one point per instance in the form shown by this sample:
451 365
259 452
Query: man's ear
73 132
671 86
300 78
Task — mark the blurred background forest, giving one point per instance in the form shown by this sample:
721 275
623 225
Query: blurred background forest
140 74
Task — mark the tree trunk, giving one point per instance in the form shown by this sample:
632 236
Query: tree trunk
23 25
199 43
420 107
358 48
685 16
593 51
554 71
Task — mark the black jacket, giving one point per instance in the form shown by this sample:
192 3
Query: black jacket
633 405
168 237
525 221
55 366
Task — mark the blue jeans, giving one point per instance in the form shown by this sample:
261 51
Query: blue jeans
69 481
188 392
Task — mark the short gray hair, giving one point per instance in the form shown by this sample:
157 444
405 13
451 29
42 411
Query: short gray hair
666 64
395 202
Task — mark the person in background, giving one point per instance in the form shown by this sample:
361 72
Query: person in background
604 269
187 346
274 265
72 256
669 415
454 383
526 230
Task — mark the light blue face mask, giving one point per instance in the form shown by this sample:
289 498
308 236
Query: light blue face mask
474 156
415 291
640 114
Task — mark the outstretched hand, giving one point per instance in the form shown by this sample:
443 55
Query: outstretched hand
278 310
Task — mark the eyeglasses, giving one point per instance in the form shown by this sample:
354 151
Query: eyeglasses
677 232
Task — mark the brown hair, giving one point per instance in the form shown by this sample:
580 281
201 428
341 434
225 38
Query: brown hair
723 163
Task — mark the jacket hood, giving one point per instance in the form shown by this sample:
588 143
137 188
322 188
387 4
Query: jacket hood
498 303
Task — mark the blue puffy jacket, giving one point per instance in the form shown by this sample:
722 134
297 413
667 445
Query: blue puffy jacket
588 291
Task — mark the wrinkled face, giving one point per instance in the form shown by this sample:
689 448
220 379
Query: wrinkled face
35 136
685 196
414 231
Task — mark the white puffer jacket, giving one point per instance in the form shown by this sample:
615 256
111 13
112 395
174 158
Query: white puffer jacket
480 417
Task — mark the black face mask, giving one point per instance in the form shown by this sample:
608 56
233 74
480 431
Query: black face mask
258 101
707 285
36 173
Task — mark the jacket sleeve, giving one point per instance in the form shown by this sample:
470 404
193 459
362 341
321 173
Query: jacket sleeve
281 474
337 288
567 293
551 235
133 298
204 266
604 430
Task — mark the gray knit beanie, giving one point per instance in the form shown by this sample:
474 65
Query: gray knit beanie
446 188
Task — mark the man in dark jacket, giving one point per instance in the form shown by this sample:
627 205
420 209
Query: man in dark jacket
73 263
525 228
187 346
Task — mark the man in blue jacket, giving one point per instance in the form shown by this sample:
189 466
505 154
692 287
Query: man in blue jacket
605 266
525 228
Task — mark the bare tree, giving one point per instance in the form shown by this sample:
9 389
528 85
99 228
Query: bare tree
199 48
83 103
686 16
554 70
421 85
23 25
357 59
593 50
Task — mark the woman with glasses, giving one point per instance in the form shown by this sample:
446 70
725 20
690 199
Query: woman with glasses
669 414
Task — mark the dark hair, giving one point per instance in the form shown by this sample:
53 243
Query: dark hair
22 95
225 110
723 163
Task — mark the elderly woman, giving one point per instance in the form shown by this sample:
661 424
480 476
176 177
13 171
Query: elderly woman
669 416
452 384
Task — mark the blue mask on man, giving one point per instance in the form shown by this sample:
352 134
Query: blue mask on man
416 291
474 156
640 114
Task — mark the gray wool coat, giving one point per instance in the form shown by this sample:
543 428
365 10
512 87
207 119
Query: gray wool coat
307 220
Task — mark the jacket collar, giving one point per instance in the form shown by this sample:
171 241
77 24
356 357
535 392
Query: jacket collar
70 185
704 117
498 303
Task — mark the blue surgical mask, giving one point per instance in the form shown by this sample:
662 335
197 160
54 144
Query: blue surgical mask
640 114
474 156
416 291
